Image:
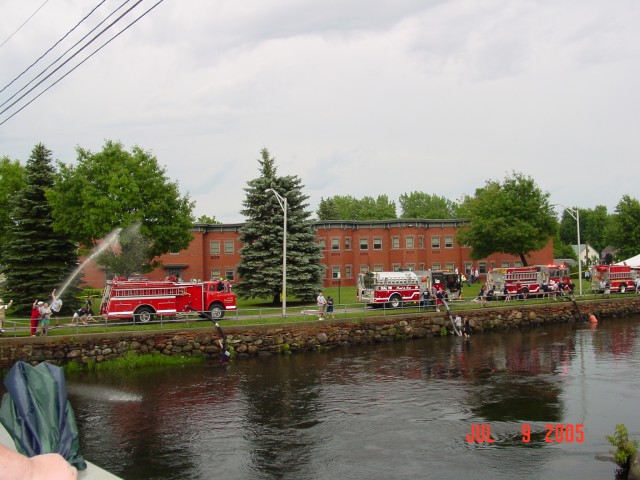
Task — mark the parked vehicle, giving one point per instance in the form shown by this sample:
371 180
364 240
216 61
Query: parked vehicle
142 300
619 278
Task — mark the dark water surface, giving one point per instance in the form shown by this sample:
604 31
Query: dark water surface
390 411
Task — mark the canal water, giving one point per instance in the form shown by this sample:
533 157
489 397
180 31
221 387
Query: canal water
546 396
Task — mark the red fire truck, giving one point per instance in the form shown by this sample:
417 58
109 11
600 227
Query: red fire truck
390 288
620 278
511 277
142 300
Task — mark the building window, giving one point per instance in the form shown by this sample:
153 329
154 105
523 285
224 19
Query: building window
435 242
420 241
505 265
323 244
411 266
435 266
335 244
364 268
364 244
467 268
347 243
395 243
517 264
409 243
396 267
492 264
229 275
448 242
378 268
335 272
449 266
377 244
215 273
229 247
482 267
348 271
214 247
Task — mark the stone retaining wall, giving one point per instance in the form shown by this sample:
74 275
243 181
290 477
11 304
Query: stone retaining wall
289 338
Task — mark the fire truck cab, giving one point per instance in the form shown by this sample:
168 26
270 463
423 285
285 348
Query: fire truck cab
619 278
142 300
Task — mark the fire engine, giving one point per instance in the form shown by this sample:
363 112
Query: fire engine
511 277
142 300
621 278
392 288
532 278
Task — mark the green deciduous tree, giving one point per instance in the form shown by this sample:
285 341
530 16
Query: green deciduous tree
260 267
37 259
207 219
12 179
512 217
594 223
424 205
346 207
624 232
113 189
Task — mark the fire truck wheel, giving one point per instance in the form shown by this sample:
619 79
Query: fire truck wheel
217 311
395 301
623 288
144 314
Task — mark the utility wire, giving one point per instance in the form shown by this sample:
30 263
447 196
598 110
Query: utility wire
84 60
25 22
68 50
53 46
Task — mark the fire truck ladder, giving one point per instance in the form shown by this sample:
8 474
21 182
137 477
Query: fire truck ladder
149 292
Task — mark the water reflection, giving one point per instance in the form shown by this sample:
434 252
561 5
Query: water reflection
395 410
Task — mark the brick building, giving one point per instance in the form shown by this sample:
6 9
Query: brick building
349 248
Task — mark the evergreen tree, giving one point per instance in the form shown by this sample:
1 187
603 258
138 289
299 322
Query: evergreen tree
260 267
36 258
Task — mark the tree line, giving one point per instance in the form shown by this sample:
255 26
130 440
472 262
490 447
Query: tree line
53 213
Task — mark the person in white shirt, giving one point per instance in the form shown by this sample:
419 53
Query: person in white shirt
322 302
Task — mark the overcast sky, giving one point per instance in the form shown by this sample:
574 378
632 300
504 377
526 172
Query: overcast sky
356 97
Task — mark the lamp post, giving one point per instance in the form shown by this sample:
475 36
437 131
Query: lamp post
339 289
283 204
575 214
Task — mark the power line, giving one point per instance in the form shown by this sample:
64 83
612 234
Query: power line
53 46
68 50
84 60
25 22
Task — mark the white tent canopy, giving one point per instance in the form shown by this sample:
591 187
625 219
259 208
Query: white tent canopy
632 262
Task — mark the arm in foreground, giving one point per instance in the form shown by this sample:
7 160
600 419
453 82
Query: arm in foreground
50 466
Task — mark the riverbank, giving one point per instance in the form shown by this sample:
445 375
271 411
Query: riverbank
284 338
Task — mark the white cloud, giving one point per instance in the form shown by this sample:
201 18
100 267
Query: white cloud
362 97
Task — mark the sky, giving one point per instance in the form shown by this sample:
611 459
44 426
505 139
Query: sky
355 97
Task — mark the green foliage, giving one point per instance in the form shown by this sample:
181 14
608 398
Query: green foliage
260 267
207 219
625 448
346 207
12 180
624 232
512 217
594 225
36 258
115 188
443 331
424 205
133 256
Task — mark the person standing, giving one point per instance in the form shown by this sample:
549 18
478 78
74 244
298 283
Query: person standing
56 306
467 327
3 308
322 302
45 316
89 305
476 274
35 316
330 307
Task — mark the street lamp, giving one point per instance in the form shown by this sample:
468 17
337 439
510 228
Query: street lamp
339 302
283 204
575 214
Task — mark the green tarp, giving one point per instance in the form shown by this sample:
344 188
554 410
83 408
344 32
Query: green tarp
37 414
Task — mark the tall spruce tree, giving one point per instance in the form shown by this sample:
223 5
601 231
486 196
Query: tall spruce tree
36 258
260 267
